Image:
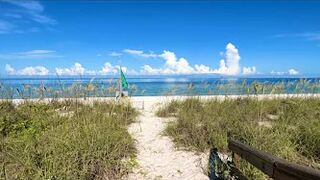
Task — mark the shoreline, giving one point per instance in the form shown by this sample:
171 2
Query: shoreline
168 98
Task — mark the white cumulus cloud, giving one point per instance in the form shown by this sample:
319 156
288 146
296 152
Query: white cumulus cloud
202 69
231 64
293 72
37 70
172 65
289 72
108 68
147 69
9 69
249 70
29 71
76 69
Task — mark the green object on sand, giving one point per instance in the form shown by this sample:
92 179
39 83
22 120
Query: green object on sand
124 82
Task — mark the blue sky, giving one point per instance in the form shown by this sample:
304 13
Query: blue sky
224 38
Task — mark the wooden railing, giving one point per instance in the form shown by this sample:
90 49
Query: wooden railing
272 166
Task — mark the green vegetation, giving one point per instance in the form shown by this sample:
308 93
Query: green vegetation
246 87
287 128
81 88
65 140
170 109
96 87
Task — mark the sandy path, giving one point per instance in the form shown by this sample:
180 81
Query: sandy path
157 156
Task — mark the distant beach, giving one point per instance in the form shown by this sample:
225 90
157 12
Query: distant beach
139 101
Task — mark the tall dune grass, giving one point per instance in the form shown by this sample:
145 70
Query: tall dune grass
65 140
287 128
103 88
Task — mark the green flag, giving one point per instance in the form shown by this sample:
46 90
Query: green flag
124 82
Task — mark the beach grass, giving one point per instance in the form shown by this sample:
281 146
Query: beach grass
97 87
287 128
65 140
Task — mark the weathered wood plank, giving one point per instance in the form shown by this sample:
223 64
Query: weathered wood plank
295 171
261 160
274 167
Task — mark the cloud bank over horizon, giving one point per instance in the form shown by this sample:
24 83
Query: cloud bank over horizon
27 71
229 65
289 72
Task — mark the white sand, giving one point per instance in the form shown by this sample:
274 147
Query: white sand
137 100
157 156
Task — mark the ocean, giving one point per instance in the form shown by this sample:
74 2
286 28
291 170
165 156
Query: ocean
153 86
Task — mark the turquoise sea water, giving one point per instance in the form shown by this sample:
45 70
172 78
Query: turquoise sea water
153 86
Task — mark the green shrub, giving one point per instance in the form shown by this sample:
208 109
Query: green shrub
65 140
287 128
